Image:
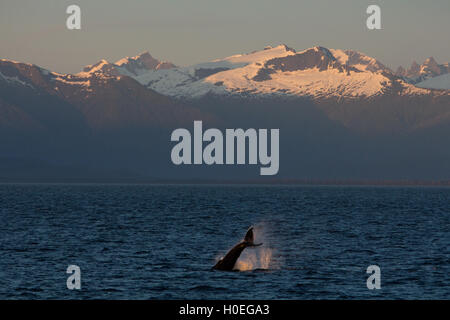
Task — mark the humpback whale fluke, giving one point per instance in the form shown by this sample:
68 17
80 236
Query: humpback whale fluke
229 260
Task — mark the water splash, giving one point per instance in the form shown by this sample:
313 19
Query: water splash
258 257
255 259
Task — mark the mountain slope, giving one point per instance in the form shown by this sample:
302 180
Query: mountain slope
129 66
100 100
439 82
317 73
341 115
419 73
91 123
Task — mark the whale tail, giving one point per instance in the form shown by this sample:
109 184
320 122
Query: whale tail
229 260
249 239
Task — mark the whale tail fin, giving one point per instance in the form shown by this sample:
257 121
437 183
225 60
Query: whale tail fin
249 238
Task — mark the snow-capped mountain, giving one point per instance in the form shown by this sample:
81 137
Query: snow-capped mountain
103 100
129 66
359 60
328 77
316 73
341 114
198 80
439 82
418 73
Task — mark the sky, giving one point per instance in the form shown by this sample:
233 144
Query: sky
186 32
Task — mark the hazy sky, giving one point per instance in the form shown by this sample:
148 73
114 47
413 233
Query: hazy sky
191 31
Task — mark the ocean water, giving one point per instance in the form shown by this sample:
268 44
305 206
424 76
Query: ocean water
160 242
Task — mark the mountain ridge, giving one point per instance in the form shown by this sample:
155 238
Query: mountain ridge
210 77
341 114
231 75
418 73
130 66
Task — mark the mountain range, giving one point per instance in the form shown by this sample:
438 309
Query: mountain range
342 115
419 73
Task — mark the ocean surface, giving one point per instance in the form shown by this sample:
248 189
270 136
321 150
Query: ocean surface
160 242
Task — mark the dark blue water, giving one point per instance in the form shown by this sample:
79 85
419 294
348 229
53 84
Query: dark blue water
159 242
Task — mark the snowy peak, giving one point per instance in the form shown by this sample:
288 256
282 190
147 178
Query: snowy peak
241 60
143 58
23 74
267 53
418 73
430 62
438 82
319 58
359 61
129 66
430 66
102 66
316 72
143 62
